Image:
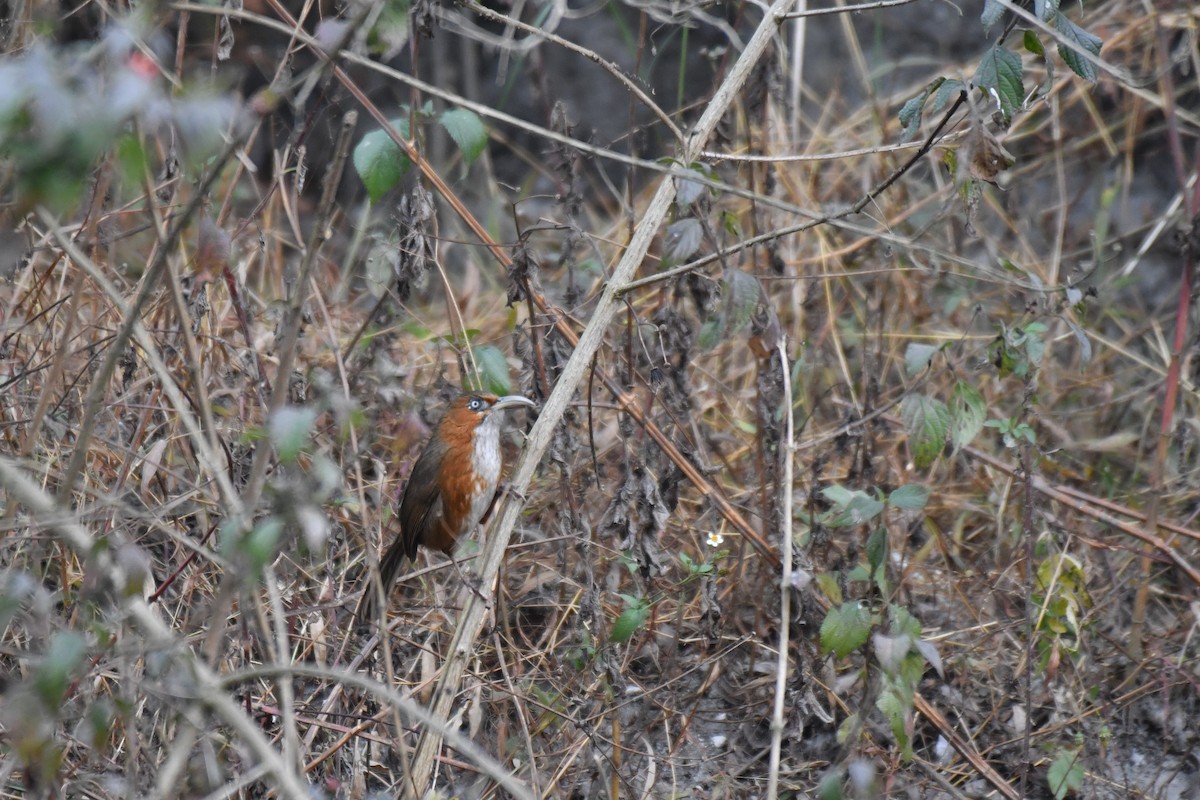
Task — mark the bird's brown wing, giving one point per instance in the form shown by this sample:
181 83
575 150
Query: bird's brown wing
421 508
420 511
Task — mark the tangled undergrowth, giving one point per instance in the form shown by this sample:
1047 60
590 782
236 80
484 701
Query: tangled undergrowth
963 566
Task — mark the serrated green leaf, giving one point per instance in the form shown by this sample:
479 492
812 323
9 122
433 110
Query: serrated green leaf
289 429
968 410
948 90
927 421
991 12
467 130
845 628
912 497
682 240
1044 8
379 162
911 112
1084 41
999 72
917 356
494 377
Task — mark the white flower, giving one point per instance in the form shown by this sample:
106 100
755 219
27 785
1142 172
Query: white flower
715 539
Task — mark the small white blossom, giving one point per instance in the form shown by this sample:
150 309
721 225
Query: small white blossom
715 539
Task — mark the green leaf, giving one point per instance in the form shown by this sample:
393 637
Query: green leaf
999 72
261 544
901 620
53 676
1084 41
827 583
467 130
709 335
945 93
1065 774
289 430
493 371
379 162
991 12
897 713
968 410
912 497
845 628
911 112
838 495
927 421
1033 44
854 508
917 357
877 548
631 619
830 787
1044 8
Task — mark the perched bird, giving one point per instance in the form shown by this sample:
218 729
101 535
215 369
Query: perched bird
450 488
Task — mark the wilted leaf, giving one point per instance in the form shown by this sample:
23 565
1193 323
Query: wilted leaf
689 191
1085 344
744 292
987 157
682 240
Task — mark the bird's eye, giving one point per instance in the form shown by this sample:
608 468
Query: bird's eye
475 405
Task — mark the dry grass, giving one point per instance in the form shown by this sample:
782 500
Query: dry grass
178 478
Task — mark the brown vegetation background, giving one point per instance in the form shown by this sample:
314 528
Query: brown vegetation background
218 361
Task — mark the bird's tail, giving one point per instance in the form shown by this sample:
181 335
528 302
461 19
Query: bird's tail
389 569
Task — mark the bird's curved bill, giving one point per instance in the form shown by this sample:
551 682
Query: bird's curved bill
510 400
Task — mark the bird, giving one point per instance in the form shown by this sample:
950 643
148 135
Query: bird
451 486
